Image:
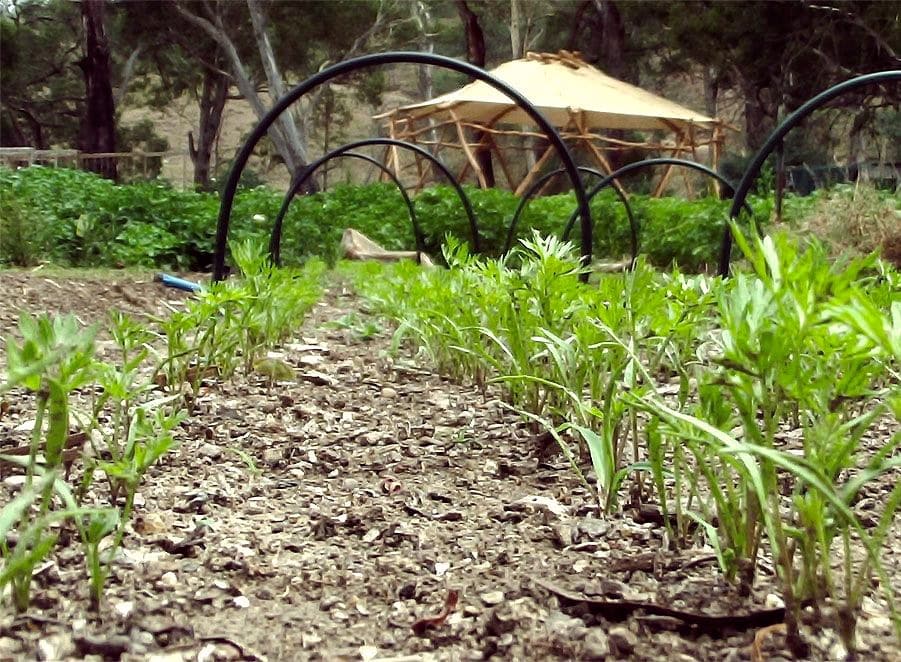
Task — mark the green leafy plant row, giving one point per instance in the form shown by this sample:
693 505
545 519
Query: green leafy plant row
77 218
137 403
741 407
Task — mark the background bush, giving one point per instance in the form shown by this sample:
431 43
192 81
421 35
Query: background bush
76 218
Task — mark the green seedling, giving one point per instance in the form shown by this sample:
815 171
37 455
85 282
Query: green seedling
362 330
55 357
27 538
94 529
52 360
33 541
677 363
150 436
274 370
246 458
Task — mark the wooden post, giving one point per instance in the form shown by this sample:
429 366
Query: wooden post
527 181
606 167
470 156
658 190
715 139
498 152
395 159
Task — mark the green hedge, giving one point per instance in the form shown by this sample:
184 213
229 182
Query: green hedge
77 218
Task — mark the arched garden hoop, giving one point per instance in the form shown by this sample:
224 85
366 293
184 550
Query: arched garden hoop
241 159
641 165
775 140
536 186
344 150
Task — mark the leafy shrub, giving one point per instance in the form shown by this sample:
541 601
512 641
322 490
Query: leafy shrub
18 241
81 219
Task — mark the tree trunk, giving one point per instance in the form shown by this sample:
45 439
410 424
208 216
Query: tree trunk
475 53
760 110
611 56
613 39
475 40
98 126
38 139
128 72
756 125
212 103
711 92
576 26
11 134
516 27
215 28
426 44
328 110
856 143
425 25
294 136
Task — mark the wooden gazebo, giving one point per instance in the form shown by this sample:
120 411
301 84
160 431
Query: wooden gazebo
580 100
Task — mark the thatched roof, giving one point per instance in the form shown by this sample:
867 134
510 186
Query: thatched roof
561 86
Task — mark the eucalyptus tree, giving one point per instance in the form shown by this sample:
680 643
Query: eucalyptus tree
775 55
288 44
42 92
98 121
176 60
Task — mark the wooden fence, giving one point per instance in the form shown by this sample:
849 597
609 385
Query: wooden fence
175 167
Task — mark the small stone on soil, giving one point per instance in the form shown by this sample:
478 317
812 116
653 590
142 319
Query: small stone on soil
169 580
210 450
622 640
492 598
597 645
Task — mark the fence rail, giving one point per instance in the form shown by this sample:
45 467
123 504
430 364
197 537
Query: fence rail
174 166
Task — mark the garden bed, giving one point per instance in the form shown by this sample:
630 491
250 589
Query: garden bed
326 517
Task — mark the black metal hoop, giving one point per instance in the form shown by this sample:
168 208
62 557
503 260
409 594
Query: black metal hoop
344 150
536 186
753 170
243 155
648 163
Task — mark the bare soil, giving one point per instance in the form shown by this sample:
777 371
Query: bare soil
326 518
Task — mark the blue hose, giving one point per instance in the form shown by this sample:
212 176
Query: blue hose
178 283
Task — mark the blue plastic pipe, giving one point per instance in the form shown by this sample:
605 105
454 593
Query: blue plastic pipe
178 283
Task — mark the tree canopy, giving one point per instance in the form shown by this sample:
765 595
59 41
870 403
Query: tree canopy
762 58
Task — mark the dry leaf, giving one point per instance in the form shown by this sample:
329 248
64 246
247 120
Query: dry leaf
421 626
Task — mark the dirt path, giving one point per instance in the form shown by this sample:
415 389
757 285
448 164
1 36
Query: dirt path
322 519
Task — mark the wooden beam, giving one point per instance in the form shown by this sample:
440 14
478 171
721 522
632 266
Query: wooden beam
658 190
469 154
606 167
499 153
527 181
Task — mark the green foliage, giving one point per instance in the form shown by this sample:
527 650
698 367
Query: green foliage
41 80
80 219
783 363
234 322
705 378
77 218
19 240
128 426
52 359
